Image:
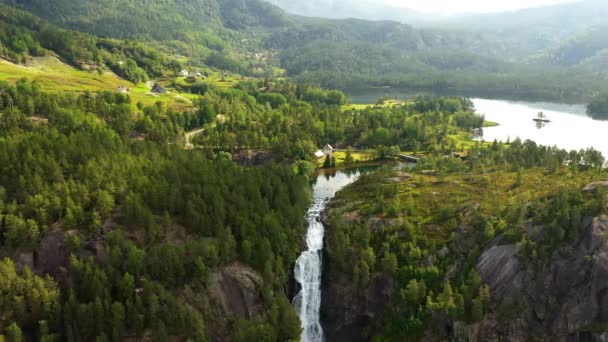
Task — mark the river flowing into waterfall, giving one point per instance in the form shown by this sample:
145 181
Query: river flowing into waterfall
309 265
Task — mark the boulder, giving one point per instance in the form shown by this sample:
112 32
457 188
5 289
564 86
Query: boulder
593 186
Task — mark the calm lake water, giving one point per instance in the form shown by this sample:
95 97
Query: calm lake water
570 128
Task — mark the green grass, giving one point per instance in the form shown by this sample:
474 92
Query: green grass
359 156
385 104
55 76
490 124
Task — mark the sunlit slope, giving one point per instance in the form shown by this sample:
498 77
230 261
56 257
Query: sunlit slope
54 75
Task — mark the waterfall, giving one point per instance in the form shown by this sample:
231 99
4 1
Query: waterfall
308 274
309 266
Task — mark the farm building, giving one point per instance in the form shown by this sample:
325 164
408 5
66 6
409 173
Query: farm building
123 90
158 89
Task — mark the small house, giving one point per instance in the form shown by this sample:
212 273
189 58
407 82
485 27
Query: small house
319 154
461 155
328 150
123 90
184 73
158 89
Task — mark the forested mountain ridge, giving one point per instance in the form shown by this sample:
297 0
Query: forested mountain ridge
166 20
253 38
343 9
531 30
23 35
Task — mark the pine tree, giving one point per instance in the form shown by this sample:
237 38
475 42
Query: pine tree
477 310
327 162
289 322
14 333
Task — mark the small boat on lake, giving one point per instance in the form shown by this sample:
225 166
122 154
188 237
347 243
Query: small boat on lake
541 117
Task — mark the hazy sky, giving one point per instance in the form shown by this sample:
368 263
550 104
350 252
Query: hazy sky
462 6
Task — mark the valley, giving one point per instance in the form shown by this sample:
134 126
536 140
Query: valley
226 171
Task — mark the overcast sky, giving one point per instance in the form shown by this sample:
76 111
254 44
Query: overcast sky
463 6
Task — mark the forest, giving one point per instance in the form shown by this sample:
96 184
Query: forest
144 223
424 233
111 229
165 218
294 120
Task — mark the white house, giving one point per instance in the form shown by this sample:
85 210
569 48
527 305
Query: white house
319 154
123 90
184 73
328 150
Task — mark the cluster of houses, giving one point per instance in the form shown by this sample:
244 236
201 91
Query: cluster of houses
192 76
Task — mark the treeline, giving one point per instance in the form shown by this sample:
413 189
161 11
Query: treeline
598 107
161 220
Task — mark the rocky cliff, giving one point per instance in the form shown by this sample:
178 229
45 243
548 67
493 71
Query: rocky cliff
561 298
566 299
346 310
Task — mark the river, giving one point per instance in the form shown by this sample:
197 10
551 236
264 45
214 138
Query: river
570 127
308 268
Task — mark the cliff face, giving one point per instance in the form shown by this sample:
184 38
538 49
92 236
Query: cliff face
565 300
346 310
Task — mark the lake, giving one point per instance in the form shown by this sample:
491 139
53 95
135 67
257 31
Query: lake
570 127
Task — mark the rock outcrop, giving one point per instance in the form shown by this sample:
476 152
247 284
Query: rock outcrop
346 310
591 187
235 291
566 299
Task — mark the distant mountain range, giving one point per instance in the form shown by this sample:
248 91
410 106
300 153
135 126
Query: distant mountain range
342 9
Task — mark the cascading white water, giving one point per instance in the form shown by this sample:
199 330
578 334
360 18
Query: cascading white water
309 265
308 275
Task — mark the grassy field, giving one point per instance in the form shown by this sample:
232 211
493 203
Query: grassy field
386 104
54 75
359 156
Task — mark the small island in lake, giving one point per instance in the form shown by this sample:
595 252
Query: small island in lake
541 118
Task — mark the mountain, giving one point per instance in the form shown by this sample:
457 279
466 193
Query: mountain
344 9
532 30
256 38
148 19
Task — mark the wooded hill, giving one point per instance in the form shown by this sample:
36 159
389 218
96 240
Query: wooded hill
253 37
